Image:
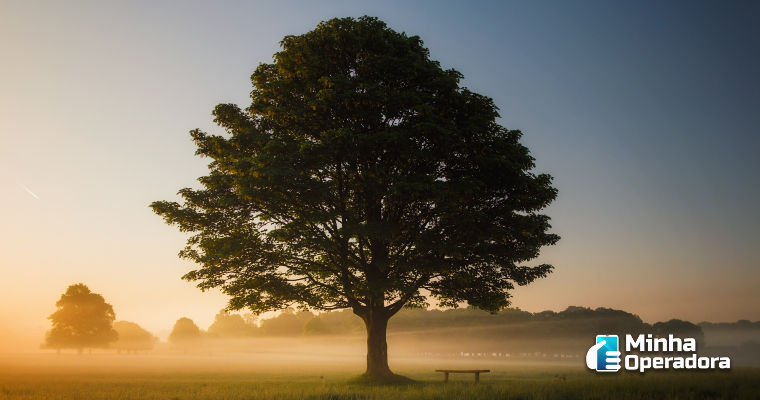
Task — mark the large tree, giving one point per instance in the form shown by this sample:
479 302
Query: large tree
363 176
83 320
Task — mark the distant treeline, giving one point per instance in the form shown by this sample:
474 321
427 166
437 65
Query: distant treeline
573 321
469 332
510 333
84 320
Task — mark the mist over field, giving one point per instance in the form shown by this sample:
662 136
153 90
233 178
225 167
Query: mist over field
297 354
534 356
459 336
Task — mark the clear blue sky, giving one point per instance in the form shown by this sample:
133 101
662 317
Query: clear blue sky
646 113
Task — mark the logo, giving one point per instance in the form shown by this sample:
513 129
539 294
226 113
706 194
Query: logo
645 352
604 356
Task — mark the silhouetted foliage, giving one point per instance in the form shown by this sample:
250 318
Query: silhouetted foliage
289 322
185 333
679 328
511 332
740 325
83 320
228 325
343 322
574 321
132 337
363 176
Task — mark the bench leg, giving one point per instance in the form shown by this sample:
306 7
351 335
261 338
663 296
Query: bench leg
445 376
477 377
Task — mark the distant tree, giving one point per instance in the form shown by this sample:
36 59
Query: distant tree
679 328
228 325
289 322
133 338
318 326
185 333
363 176
83 320
250 319
343 322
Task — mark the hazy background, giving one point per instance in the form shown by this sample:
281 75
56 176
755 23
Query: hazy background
646 114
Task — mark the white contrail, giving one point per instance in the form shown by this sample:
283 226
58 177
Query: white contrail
30 192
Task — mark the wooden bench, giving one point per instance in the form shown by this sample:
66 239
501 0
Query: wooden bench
477 372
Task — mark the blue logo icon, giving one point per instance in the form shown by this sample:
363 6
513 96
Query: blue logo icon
604 356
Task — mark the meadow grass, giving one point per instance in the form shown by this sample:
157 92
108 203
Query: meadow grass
335 383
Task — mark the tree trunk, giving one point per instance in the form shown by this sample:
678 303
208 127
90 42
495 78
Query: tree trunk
377 346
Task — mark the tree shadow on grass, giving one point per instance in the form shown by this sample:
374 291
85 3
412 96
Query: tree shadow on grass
389 380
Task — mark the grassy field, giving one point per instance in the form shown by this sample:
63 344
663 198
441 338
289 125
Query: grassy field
100 377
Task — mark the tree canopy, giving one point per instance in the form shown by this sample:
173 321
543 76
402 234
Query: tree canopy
133 337
185 332
83 320
363 176
289 322
227 325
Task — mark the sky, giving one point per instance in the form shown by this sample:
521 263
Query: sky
645 113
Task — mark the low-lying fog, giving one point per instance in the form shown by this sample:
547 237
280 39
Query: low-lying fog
428 338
